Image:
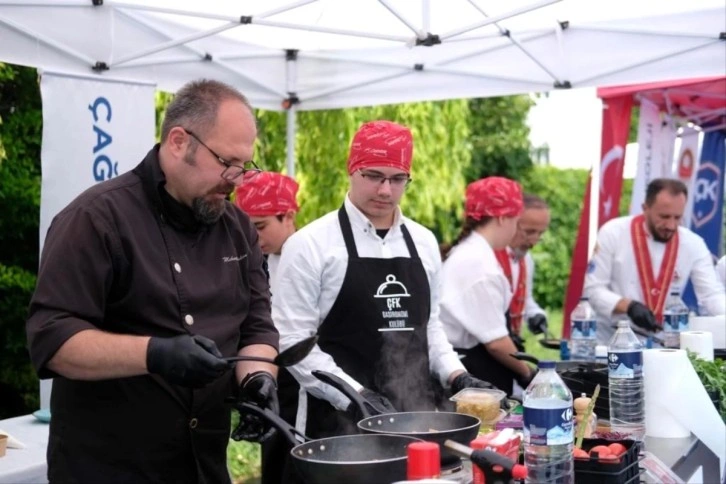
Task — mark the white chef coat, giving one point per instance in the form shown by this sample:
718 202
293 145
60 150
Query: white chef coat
273 260
721 269
530 305
613 273
475 294
309 278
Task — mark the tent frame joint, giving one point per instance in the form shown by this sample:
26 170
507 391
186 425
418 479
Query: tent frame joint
245 19
428 41
290 101
418 67
97 3
563 85
208 57
100 66
291 54
722 36
564 25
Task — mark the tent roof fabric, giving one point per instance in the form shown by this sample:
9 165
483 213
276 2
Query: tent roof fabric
339 53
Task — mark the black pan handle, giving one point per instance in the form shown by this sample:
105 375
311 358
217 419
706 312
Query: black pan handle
339 384
287 430
524 357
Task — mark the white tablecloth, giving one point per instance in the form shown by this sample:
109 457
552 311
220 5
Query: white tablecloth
28 465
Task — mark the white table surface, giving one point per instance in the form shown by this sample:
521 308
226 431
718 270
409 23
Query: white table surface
28 465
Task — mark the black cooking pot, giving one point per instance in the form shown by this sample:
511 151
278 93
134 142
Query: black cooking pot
348 459
431 426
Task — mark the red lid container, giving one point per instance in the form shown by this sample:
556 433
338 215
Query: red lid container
423 460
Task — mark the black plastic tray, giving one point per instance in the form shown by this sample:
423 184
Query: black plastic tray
593 471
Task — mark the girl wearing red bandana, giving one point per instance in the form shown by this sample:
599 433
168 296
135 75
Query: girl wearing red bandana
475 291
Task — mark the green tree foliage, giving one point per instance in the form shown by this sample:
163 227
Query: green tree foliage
20 137
563 190
499 137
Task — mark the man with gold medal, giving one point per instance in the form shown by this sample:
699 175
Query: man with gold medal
639 259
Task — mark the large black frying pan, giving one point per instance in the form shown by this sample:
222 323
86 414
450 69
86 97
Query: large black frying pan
348 459
431 426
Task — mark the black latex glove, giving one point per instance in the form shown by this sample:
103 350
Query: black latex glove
466 380
259 388
191 361
375 403
642 316
518 342
537 324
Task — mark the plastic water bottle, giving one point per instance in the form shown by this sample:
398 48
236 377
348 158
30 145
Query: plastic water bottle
548 428
625 381
583 336
675 319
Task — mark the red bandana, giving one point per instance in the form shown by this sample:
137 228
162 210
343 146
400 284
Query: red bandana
493 197
381 144
267 193
654 290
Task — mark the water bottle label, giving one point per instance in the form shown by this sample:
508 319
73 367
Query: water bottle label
675 322
584 329
625 365
548 426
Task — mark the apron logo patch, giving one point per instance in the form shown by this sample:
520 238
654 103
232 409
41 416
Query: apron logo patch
396 316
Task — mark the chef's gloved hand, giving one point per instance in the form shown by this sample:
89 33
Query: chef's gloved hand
258 388
642 316
537 324
190 361
467 380
375 403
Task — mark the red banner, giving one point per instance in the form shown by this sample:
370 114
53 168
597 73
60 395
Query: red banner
615 129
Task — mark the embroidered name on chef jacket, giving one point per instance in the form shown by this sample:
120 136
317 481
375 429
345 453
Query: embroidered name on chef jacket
394 313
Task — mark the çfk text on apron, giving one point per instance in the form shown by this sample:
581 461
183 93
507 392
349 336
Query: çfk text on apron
376 332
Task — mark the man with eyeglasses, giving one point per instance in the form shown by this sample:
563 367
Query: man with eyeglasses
518 267
147 281
365 278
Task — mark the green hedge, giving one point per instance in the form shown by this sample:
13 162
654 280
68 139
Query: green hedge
563 190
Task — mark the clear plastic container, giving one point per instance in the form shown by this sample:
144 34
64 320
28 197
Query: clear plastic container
483 403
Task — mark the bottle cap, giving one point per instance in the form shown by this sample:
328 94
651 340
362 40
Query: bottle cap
546 365
423 460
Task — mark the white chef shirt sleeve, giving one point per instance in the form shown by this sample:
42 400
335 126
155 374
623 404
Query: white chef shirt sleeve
598 277
443 360
296 315
709 290
721 269
481 308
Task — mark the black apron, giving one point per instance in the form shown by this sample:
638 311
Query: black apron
484 366
376 333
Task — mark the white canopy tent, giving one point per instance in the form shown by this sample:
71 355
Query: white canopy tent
320 54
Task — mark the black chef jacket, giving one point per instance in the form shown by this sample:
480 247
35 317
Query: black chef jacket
124 257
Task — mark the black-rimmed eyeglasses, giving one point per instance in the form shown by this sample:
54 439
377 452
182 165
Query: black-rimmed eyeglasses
231 173
398 181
